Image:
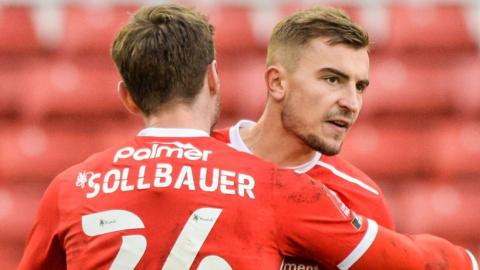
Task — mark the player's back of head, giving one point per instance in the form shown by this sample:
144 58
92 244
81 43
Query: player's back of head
162 55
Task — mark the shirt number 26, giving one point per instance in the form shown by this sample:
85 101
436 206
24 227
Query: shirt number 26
184 251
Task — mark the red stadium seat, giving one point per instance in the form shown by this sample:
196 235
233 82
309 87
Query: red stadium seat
63 87
17 31
41 152
293 6
411 86
19 203
12 85
387 150
439 207
456 146
243 86
10 255
91 29
429 27
233 28
466 94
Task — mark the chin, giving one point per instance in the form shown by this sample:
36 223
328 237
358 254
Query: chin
329 151
323 146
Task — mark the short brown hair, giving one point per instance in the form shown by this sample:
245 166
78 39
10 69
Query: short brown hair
292 33
163 54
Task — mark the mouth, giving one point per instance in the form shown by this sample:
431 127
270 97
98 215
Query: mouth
340 123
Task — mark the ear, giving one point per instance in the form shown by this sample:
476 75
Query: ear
275 84
213 78
126 98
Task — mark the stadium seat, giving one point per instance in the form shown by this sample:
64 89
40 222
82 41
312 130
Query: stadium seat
12 85
410 85
288 8
38 153
10 254
233 29
17 31
456 145
429 28
243 86
19 203
387 150
441 207
91 29
79 87
466 94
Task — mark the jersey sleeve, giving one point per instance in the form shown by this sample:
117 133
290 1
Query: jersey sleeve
43 248
313 224
391 250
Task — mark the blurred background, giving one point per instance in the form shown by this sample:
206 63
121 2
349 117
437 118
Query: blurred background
418 135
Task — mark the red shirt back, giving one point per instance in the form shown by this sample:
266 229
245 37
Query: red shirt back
178 199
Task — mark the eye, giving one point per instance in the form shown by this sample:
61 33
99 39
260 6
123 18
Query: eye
361 87
332 79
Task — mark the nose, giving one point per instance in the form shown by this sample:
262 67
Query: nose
351 99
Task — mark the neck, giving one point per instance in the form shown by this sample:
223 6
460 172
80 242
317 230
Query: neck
179 116
270 140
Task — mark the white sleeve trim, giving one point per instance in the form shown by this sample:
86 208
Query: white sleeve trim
472 258
362 247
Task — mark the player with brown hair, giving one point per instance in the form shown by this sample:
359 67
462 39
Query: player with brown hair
174 198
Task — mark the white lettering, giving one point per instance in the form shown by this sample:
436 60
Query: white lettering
163 171
205 154
203 180
95 186
246 183
124 186
185 177
123 153
141 178
116 181
142 154
169 151
226 183
175 149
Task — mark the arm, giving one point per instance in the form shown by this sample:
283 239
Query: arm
414 252
43 247
312 224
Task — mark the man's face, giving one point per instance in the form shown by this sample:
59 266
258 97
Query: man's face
324 94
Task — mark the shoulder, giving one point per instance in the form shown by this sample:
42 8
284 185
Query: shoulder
96 161
221 134
343 169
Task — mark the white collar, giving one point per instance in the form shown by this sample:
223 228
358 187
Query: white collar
172 132
237 143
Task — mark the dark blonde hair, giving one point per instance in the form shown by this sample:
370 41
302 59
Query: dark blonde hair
292 33
163 54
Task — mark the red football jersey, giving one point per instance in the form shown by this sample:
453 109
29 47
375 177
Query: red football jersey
358 191
176 199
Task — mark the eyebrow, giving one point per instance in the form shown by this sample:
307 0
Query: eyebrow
342 75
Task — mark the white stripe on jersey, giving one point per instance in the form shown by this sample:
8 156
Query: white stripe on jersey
474 261
347 177
362 247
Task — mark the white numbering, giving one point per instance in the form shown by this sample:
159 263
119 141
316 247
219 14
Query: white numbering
184 251
130 253
213 262
133 246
